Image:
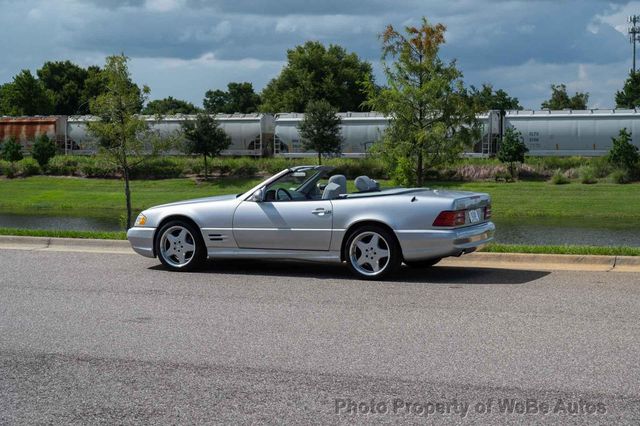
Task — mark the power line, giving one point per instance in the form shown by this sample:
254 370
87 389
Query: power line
634 35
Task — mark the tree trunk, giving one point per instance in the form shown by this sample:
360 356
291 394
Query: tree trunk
127 195
206 171
419 169
319 158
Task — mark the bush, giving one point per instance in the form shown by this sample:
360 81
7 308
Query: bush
601 167
157 168
559 178
512 150
64 165
98 167
8 169
623 154
244 167
620 176
587 175
11 150
28 167
44 149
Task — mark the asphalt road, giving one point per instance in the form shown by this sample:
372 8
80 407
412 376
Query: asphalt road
112 338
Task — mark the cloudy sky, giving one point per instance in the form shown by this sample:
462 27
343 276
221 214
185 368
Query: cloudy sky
184 47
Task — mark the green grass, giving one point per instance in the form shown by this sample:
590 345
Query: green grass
63 234
594 206
103 197
566 249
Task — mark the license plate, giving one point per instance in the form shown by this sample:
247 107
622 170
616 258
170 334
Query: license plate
475 215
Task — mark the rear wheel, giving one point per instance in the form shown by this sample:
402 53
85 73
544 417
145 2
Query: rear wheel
426 263
179 246
373 252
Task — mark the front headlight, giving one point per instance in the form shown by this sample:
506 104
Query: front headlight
141 220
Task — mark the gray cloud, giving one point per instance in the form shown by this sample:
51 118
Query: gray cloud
203 44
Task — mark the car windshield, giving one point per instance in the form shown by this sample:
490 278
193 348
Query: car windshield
300 184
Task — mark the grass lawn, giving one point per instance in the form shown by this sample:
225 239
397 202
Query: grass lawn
599 204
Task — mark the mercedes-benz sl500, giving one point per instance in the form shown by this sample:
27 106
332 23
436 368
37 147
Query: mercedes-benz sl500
306 213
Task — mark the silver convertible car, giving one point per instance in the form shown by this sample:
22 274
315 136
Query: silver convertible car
306 213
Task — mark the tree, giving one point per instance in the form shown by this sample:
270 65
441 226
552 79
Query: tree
512 149
432 118
629 97
11 150
487 98
94 85
204 137
623 153
169 106
320 129
43 150
121 133
315 72
561 100
239 97
26 95
65 80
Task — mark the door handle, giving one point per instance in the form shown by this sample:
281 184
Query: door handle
321 212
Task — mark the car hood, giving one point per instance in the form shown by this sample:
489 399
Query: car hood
197 201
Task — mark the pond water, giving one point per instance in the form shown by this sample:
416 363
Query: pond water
580 231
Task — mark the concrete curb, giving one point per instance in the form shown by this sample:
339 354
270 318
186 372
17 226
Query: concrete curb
550 262
65 244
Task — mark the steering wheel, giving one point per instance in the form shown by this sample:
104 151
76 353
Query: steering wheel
286 193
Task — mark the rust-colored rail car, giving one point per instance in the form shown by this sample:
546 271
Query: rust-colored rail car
27 129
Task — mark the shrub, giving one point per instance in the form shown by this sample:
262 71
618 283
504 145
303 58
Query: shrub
11 150
587 175
4 166
558 178
28 167
620 176
98 167
623 154
8 169
601 167
63 165
157 168
244 167
512 150
44 149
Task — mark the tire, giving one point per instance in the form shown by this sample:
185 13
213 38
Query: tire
366 258
179 246
425 263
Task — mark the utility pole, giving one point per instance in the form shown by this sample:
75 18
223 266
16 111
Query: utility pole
634 35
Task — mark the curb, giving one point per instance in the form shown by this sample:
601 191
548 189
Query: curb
65 244
551 262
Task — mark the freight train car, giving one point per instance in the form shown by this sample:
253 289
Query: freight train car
359 130
251 134
572 132
27 129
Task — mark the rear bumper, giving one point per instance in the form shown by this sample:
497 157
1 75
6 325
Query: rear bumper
141 240
432 243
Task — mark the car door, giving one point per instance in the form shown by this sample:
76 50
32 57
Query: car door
290 225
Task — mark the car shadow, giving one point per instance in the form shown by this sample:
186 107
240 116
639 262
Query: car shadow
405 274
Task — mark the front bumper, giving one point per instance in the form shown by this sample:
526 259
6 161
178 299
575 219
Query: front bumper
141 239
433 243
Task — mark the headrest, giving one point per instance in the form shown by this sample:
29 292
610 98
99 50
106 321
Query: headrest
339 179
365 183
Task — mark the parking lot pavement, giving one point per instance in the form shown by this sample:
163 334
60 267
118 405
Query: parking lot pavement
88 338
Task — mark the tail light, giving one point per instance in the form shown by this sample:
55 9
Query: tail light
450 218
487 211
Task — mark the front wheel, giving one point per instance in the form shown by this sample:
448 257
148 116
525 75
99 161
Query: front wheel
373 252
179 246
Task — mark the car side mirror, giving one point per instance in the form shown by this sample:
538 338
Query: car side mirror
257 196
